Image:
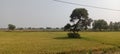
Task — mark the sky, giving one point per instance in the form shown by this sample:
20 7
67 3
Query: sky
49 13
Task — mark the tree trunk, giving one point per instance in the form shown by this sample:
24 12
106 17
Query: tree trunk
76 25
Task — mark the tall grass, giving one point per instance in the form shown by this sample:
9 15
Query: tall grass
56 42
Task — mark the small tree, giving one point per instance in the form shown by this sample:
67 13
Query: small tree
11 26
80 19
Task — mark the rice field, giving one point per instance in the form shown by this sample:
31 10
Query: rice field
58 43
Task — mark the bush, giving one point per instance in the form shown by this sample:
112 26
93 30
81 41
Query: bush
73 35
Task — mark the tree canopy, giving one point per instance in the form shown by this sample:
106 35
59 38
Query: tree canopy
11 26
80 19
100 24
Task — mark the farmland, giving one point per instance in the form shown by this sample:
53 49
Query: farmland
57 42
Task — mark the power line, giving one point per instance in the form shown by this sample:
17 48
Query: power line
86 5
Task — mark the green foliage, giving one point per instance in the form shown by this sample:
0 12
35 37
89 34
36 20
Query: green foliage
114 26
67 27
11 26
73 35
80 19
79 13
111 26
48 28
100 24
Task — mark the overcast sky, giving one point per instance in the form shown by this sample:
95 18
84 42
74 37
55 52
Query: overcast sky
49 13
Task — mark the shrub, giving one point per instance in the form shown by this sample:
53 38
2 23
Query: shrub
73 35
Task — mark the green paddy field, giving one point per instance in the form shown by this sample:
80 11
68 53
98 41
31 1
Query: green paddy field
58 43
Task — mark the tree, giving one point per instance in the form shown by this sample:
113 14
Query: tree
29 28
67 27
100 24
80 16
20 28
41 28
116 26
80 19
11 26
57 28
111 26
48 28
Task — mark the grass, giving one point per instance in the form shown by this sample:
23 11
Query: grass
57 42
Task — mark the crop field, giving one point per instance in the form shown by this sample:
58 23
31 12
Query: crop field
58 43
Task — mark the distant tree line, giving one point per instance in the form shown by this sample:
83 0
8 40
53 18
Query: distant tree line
102 25
97 25
12 27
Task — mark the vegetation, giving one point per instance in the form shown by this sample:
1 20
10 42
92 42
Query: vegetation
80 19
100 24
114 26
11 26
97 25
58 43
80 16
